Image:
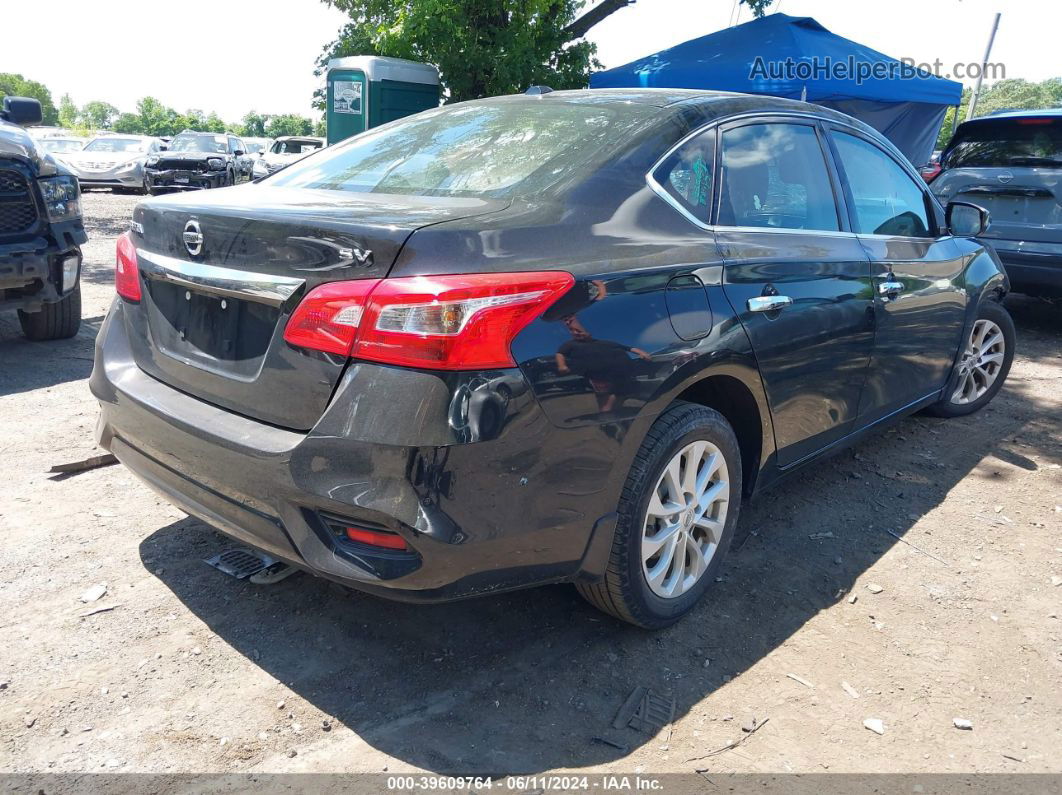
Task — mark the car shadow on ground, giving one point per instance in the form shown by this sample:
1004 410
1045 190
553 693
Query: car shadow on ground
541 673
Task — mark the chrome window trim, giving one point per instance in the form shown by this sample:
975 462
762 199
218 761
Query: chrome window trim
786 230
660 191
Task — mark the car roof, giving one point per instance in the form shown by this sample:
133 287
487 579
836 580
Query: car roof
711 104
1017 114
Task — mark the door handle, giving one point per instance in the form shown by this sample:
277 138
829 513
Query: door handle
890 287
769 303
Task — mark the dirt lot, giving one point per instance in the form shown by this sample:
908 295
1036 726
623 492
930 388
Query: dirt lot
195 671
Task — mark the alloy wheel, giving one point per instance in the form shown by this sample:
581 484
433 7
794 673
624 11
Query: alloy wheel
981 362
685 519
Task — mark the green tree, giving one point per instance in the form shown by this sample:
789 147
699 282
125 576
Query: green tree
481 47
191 119
288 124
156 118
253 125
128 123
99 115
16 85
214 124
68 112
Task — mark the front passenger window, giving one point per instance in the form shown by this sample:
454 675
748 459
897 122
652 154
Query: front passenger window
887 201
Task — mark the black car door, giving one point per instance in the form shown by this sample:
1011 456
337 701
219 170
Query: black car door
797 277
919 297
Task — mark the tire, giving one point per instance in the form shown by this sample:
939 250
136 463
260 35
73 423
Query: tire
625 591
58 321
960 397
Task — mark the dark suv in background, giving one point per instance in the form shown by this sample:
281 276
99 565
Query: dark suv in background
197 160
41 230
1011 164
531 339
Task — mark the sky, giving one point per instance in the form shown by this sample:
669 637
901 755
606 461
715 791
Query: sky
233 57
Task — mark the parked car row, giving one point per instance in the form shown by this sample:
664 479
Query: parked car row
189 161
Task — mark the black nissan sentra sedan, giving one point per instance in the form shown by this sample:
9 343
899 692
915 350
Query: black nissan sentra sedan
533 339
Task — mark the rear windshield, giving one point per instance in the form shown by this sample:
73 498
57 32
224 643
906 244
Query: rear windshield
494 149
1007 142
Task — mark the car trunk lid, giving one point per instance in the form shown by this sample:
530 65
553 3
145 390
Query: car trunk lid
1023 202
223 270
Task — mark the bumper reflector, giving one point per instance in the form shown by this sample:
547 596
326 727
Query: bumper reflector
376 538
71 263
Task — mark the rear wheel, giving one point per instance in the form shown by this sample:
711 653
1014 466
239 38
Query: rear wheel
58 321
677 515
983 365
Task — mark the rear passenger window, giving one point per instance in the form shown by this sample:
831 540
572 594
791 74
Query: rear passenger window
886 200
775 176
686 175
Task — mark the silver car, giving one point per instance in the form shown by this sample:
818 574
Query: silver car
284 151
112 161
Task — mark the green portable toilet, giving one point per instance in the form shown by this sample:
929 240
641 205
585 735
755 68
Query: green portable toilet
367 90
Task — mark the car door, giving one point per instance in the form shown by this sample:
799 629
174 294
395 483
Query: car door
798 278
919 299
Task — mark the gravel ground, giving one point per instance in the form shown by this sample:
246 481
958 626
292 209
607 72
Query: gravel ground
824 617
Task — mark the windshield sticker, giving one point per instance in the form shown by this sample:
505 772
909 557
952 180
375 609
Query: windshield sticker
346 97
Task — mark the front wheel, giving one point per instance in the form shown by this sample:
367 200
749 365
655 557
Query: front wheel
983 364
677 515
58 321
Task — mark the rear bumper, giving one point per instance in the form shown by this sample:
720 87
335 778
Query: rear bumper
1033 268
478 517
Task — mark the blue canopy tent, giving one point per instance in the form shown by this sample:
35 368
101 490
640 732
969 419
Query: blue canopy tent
798 58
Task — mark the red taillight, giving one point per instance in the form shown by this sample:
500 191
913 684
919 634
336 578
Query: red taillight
1036 122
126 272
376 538
328 317
462 322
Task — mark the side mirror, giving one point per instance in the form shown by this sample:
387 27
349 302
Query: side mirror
163 147
966 220
22 110
239 153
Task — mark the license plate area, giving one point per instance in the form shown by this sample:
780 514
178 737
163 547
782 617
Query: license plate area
226 335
